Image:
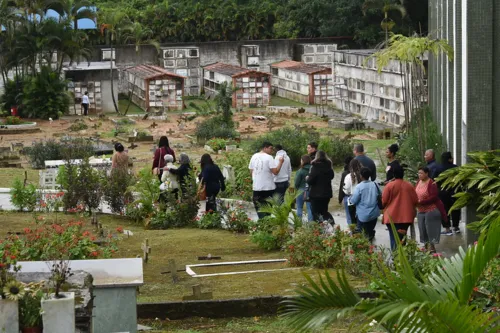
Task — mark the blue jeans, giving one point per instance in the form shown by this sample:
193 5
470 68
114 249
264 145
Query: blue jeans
300 206
346 208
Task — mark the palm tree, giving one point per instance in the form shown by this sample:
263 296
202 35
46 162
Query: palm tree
386 6
73 10
441 303
116 27
140 36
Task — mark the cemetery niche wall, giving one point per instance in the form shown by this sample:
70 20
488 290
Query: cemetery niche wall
305 83
184 61
252 88
154 88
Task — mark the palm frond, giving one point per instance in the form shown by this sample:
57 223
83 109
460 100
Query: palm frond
320 304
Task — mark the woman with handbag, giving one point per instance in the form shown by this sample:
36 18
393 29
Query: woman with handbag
320 186
300 187
366 197
211 180
158 160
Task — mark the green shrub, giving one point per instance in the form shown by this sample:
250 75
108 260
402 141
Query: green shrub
172 212
236 218
148 192
241 187
41 151
278 225
217 144
294 142
209 220
79 126
12 95
116 193
23 197
83 185
12 120
215 127
418 138
45 95
336 148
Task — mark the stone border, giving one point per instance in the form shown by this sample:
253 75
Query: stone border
224 308
20 126
192 273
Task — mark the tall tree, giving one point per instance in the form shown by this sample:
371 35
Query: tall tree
115 25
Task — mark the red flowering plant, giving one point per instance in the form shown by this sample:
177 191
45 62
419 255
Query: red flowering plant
71 240
9 251
234 216
310 246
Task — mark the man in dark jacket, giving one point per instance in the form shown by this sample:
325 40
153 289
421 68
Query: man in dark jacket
430 159
446 196
359 152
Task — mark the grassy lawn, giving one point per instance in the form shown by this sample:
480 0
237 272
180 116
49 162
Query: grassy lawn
7 176
280 101
184 246
266 324
122 106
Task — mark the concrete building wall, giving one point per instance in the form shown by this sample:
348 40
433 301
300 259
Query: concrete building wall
465 93
360 89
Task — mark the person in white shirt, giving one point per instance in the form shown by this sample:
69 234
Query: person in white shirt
85 103
282 179
351 180
263 168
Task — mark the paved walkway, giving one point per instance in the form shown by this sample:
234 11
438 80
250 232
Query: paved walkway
448 246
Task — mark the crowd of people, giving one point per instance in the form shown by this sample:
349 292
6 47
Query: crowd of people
362 197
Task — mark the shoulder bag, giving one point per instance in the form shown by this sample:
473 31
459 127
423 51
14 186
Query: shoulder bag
157 169
202 191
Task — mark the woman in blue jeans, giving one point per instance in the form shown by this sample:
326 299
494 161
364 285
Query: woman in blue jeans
365 197
300 186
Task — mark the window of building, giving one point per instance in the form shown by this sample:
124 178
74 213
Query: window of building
212 75
387 103
358 108
398 92
193 53
363 98
382 102
362 85
274 71
358 84
381 90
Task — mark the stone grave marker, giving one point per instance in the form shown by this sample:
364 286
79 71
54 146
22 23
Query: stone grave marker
146 250
173 270
198 295
94 220
153 125
209 257
170 131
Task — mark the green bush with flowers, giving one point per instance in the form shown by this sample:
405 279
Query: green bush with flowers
217 144
23 196
241 187
45 241
311 246
209 220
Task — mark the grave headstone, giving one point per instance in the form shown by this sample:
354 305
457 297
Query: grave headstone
198 295
170 131
146 250
153 125
173 270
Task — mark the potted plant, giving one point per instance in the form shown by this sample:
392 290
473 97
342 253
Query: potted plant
10 289
30 308
58 308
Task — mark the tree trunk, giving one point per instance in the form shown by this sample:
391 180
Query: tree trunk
130 94
111 79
